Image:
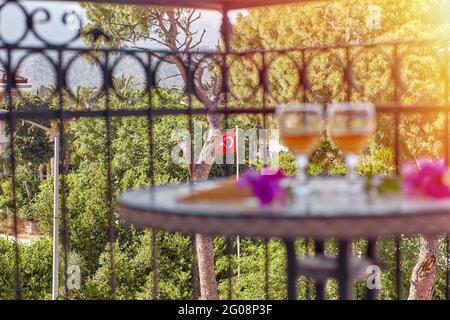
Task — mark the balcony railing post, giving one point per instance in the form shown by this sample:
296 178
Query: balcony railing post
12 162
155 287
229 252
397 99
344 278
447 262
55 274
266 268
446 114
348 74
372 294
398 270
291 269
63 207
109 192
194 270
320 284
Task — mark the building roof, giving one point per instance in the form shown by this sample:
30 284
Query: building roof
19 79
21 83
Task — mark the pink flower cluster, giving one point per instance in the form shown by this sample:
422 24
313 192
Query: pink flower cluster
266 187
427 178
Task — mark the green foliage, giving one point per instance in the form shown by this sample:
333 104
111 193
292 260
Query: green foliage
35 269
322 24
8 266
251 284
33 145
130 165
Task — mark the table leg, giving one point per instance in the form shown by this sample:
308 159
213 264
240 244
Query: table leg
291 269
320 285
307 280
345 281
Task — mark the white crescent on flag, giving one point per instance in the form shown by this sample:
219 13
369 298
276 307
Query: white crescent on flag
229 142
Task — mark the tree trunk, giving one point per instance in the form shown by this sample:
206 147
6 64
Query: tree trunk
423 276
48 170
29 191
207 275
199 170
67 155
204 243
41 172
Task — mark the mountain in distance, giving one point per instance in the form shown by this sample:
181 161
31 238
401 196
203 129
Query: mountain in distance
81 72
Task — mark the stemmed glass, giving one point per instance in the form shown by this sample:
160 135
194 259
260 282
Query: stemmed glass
350 126
300 128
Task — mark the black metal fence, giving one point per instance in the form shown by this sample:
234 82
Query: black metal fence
391 99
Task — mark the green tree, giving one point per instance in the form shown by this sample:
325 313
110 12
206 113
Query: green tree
318 25
35 269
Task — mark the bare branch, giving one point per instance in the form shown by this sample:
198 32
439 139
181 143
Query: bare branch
166 78
157 40
154 54
195 45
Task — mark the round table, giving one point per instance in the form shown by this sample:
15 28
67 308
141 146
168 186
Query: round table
328 213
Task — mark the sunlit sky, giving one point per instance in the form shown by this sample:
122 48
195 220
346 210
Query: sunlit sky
12 22
37 69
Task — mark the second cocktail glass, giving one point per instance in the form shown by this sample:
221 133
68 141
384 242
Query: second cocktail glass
350 126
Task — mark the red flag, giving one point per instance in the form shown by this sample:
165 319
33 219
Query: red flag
227 144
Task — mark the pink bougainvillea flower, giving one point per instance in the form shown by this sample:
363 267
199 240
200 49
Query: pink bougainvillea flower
266 187
427 178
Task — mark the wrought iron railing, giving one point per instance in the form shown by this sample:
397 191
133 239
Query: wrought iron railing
260 102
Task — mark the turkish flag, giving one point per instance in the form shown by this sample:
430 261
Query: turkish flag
227 144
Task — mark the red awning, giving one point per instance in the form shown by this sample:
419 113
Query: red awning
206 4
